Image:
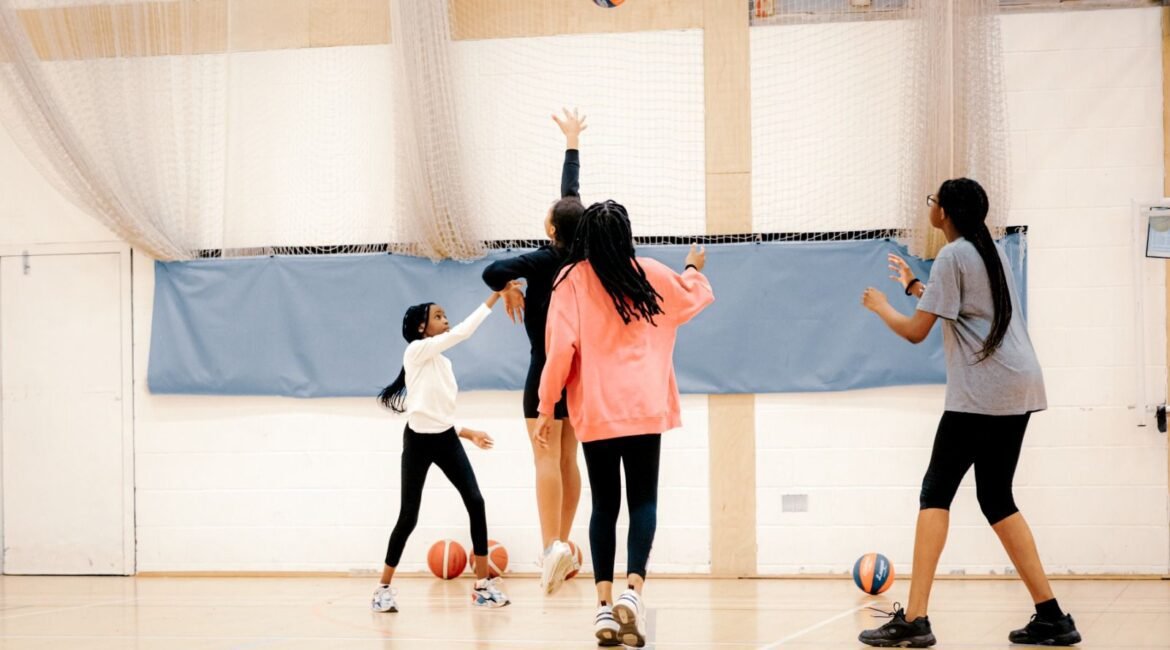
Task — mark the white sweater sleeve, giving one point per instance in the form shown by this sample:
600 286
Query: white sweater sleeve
424 349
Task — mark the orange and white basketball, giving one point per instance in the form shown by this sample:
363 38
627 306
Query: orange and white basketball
580 559
446 559
497 557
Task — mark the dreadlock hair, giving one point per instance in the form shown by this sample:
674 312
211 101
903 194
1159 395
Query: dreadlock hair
564 215
965 202
604 239
393 396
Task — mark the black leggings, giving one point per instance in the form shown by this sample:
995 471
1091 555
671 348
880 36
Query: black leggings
989 442
419 450
604 460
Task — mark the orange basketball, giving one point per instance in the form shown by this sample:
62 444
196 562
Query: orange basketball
497 557
446 559
873 573
580 560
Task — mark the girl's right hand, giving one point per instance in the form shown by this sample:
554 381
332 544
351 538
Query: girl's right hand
902 273
571 125
874 300
541 429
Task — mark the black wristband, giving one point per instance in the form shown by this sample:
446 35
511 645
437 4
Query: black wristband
910 284
690 266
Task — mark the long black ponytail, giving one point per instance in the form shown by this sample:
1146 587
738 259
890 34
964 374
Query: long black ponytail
965 203
393 396
605 239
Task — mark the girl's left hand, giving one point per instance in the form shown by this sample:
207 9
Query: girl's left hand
481 439
514 301
874 299
901 270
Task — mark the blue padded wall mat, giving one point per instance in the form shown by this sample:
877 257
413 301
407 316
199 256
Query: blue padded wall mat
787 318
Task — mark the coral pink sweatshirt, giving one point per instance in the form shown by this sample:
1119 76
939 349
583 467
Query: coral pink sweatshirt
619 378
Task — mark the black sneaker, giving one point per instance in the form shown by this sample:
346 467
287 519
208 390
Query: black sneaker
1039 631
899 633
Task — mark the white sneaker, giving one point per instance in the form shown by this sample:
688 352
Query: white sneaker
557 563
383 600
605 627
631 617
486 593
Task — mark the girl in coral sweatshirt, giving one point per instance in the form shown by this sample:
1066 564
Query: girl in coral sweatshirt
612 322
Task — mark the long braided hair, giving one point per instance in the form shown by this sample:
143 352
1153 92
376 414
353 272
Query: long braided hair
965 202
605 239
393 396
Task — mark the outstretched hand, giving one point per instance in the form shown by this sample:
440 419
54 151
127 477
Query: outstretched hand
572 124
479 438
901 271
514 301
697 257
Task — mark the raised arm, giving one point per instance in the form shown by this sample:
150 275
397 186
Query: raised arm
571 124
434 345
689 292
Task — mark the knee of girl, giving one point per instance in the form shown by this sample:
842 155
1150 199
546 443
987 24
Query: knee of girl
996 507
548 465
604 516
406 522
930 499
644 515
474 502
568 464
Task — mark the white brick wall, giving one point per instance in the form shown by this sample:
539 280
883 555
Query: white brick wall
31 210
1085 109
282 484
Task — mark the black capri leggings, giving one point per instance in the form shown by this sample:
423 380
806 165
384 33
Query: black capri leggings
989 442
419 450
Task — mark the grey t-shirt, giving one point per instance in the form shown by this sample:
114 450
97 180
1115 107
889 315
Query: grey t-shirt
1009 382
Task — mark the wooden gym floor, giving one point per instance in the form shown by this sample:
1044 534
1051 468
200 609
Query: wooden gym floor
150 613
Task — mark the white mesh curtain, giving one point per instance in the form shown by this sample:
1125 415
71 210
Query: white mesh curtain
433 204
146 114
966 132
121 106
860 110
128 108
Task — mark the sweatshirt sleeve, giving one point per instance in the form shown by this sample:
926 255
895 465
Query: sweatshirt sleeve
424 349
686 294
944 289
571 174
498 274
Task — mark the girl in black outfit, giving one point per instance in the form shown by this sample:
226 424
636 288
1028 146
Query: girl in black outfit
558 479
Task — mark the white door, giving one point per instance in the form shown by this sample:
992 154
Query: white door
67 466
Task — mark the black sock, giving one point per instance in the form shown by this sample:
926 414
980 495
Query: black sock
1049 610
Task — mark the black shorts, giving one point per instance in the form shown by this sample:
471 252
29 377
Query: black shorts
532 392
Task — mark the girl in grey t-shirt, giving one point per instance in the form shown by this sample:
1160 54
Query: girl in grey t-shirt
994 384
